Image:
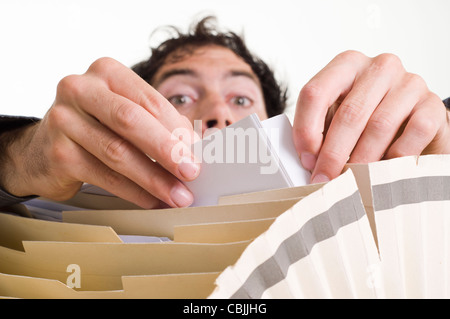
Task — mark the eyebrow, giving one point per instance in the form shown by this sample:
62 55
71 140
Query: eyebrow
249 75
190 72
174 72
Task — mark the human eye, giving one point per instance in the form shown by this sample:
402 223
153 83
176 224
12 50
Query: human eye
241 101
180 100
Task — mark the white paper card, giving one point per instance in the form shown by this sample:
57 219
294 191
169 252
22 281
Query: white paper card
244 158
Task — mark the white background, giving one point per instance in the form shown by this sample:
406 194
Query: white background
44 40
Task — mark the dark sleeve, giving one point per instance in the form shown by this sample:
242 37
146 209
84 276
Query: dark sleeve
447 103
8 123
7 199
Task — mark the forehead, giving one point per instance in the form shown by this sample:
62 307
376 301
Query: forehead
212 59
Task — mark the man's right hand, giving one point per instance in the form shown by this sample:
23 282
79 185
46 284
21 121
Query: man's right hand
104 128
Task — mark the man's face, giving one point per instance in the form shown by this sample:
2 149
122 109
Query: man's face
213 85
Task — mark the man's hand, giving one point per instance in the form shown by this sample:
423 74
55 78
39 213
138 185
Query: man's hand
104 128
359 109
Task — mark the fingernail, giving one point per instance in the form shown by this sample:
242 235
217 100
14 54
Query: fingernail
320 178
181 196
308 161
188 168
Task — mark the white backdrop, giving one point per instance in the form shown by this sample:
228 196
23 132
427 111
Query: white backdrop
44 40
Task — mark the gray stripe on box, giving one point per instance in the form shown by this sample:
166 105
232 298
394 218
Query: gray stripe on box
299 245
411 191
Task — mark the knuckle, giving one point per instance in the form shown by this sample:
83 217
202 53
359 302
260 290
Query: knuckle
113 179
125 116
332 156
351 112
415 81
58 117
424 126
70 86
380 123
311 92
387 61
116 150
351 55
155 105
102 65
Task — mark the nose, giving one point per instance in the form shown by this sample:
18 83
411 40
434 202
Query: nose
217 114
214 123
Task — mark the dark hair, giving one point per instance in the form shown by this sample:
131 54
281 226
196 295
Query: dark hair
204 33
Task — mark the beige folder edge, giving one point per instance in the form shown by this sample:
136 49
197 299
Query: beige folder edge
236 218
234 222
235 211
37 253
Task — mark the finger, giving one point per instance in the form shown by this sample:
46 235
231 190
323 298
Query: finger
421 129
123 81
316 97
387 119
122 157
352 116
94 172
69 164
140 128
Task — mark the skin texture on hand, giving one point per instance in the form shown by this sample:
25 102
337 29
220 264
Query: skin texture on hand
105 127
360 109
110 128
